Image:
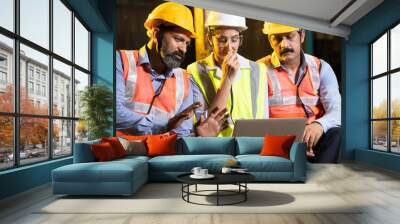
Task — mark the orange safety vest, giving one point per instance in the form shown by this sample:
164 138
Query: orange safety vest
287 100
139 90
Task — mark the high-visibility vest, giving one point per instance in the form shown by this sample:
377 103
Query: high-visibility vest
249 91
288 100
139 89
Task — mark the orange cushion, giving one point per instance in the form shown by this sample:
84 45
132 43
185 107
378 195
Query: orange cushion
158 145
135 137
103 151
277 145
116 145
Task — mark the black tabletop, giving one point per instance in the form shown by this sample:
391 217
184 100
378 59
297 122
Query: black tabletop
220 178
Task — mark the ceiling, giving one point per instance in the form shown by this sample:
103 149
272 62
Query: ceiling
333 17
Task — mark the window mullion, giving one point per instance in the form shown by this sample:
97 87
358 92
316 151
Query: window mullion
73 83
16 83
371 97
389 106
50 81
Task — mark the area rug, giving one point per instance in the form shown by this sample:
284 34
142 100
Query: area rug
167 198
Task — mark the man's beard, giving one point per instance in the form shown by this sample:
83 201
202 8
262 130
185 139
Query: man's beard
173 59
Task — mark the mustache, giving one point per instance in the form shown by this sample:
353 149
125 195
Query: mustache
287 50
178 53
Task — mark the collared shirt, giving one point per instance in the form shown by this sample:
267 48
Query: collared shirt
328 91
140 124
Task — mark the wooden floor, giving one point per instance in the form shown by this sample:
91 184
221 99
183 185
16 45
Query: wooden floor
378 188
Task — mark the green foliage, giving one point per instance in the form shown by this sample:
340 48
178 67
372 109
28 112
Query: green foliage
96 102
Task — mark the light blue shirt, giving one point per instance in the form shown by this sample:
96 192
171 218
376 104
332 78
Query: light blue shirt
140 124
328 94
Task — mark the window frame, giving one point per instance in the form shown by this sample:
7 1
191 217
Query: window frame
16 115
388 74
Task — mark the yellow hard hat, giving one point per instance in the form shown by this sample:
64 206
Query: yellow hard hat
173 13
275 28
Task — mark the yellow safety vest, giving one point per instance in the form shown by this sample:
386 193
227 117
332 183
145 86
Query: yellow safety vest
250 88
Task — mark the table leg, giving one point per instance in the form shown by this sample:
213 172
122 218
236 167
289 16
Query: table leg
182 190
245 191
217 194
188 190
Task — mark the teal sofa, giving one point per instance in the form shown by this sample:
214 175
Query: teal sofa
125 176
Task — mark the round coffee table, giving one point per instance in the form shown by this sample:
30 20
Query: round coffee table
238 179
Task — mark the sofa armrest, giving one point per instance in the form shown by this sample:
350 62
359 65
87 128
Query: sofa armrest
298 157
83 153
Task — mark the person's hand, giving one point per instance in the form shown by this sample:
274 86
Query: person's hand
213 124
312 134
187 113
230 66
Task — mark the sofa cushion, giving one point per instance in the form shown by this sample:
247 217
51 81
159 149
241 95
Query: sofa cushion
134 147
249 145
206 145
112 171
103 152
116 145
257 163
160 145
185 163
277 145
118 177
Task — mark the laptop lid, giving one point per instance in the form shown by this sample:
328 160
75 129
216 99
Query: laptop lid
272 126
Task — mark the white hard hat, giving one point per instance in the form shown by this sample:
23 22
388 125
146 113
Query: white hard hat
222 19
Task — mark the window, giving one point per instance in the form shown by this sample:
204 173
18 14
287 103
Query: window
3 61
7 73
38 74
62 130
30 87
7 14
35 22
81 81
30 72
44 91
39 81
385 95
81 45
3 71
62 30
43 77
63 75
38 89
3 78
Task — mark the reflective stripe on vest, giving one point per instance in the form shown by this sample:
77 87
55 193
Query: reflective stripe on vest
282 105
311 61
255 84
138 96
289 100
205 82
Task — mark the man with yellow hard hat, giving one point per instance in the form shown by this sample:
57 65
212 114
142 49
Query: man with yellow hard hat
227 79
154 95
301 85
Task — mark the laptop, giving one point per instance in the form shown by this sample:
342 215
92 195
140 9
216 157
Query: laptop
272 126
